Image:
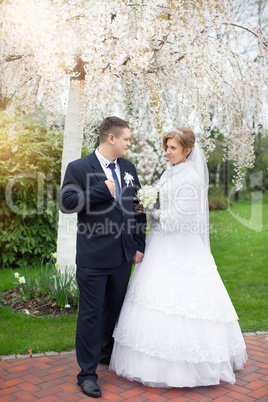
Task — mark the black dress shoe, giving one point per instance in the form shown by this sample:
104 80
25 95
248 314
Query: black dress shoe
90 388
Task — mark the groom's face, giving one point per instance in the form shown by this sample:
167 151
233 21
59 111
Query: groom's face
122 143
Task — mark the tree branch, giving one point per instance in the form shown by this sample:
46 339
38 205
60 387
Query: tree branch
180 58
13 58
246 29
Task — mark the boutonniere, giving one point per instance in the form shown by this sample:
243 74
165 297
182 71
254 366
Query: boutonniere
128 179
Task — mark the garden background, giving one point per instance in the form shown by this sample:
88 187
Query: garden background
64 66
31 163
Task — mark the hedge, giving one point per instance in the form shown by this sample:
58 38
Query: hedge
30 166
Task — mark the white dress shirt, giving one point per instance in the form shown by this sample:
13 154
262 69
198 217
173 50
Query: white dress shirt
105 163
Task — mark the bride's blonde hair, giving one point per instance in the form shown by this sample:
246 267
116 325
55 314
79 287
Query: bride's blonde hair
183 135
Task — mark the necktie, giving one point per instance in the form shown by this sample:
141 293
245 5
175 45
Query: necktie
117 185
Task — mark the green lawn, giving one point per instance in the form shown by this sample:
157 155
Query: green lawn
20 333
241 257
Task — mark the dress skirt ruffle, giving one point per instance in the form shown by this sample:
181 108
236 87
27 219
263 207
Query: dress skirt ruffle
177 327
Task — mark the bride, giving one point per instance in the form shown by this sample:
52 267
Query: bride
177 326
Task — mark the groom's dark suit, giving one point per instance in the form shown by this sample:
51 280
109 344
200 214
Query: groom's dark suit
108 236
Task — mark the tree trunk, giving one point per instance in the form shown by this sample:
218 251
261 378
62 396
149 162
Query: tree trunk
218 174
72 145
236 197
226 178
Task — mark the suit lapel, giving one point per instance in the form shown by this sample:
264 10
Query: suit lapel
99 172
122 165
124 168
96 167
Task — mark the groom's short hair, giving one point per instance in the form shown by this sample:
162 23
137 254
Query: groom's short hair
112 124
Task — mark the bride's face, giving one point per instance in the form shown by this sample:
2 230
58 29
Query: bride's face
175 152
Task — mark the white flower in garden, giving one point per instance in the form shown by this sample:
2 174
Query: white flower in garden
16 275
149 158
22 279
147 196
171 65
54 255
67 306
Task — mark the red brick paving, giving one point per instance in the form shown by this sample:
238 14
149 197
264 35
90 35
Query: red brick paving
53 378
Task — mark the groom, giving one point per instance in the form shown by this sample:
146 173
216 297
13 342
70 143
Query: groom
100 188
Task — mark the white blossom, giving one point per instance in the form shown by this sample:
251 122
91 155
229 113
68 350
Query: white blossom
160 65
22 279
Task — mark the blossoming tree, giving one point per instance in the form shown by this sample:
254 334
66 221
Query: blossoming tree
157 64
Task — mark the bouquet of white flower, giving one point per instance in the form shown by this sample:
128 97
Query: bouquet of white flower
147 196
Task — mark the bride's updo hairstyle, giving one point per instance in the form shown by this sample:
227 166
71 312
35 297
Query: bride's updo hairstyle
183 135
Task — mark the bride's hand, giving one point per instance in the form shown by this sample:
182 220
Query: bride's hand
154 212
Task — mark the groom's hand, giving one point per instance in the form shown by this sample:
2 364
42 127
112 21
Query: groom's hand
111 186
138 257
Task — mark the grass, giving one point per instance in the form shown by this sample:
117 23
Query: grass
240 254
20 333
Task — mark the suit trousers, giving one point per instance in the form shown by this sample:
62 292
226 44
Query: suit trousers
102 292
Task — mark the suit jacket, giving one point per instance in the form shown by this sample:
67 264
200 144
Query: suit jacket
106 229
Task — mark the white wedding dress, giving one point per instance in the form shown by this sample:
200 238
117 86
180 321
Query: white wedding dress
178 327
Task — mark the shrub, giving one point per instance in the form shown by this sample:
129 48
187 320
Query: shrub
217 199
30 165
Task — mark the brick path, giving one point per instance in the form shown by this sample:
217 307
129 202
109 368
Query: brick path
53 378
